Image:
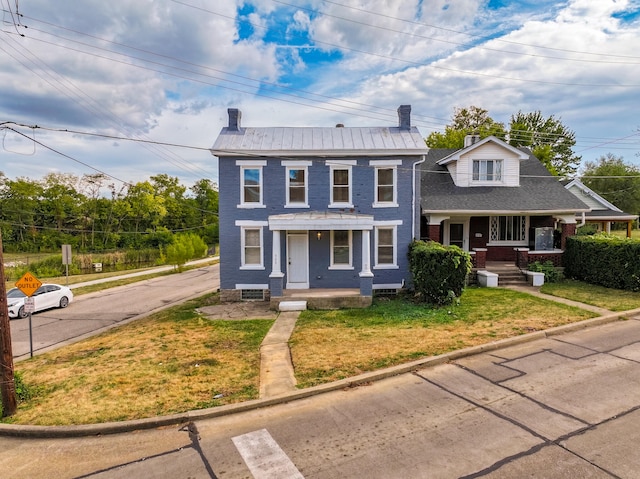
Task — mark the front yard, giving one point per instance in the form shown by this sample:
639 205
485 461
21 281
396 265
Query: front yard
178 359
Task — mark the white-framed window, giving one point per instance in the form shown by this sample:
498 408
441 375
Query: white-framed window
386 182
487 170
386 247
508 229
340 181
252 251
251 183
297 186
341 249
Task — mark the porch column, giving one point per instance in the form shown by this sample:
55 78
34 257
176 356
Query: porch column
366 253
568 229
275 253
366 276
276 278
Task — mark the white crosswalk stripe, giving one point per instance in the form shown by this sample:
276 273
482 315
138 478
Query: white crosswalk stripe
264 457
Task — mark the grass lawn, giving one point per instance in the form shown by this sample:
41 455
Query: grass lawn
173 361
332 345
177 360
611 299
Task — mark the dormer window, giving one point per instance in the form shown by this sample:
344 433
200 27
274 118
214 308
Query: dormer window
487 170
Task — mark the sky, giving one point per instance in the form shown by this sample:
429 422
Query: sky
136 89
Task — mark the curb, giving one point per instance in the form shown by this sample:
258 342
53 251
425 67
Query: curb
13 430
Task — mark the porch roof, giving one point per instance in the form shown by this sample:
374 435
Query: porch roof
321 220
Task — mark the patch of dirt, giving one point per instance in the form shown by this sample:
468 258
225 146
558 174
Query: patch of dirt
239 311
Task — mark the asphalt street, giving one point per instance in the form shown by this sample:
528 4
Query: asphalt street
565 406
96 312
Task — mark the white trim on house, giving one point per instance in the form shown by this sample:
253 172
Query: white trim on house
320 220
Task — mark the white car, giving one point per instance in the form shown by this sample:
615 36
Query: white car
45 297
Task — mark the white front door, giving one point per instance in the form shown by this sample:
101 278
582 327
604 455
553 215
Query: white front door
298 261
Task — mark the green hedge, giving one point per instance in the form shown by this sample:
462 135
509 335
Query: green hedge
439 272
604 260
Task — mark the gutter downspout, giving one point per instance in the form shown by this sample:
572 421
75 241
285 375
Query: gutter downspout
413 200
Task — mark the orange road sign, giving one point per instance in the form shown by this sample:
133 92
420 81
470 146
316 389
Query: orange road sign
28 284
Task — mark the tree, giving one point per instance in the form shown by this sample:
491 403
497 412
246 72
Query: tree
466 121
616 181
550 141
206 206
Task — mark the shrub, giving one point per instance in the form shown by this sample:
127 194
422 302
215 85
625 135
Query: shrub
551 273
185 247
439 272
604 260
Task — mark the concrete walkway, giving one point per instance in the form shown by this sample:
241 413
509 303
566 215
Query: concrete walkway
535 291
276 367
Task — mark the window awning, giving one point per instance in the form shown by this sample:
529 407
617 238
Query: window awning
321 220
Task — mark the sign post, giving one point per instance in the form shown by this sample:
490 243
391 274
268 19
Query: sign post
66 259
29 284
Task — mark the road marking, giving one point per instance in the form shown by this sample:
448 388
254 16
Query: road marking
264 458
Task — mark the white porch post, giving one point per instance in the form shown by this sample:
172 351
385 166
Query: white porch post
366 253
275 254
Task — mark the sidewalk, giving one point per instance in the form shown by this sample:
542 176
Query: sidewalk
277 379
158 269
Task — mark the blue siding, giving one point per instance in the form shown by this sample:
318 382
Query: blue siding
274 197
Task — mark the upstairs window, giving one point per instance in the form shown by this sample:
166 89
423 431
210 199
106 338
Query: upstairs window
340 187
487 170
386 183
297 186
251 180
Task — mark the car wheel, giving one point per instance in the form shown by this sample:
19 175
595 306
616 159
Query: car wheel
64 302
21 312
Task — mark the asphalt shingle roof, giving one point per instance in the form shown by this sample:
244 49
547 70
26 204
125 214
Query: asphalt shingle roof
538 191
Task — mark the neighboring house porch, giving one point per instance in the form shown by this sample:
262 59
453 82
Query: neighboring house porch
492 199
603 213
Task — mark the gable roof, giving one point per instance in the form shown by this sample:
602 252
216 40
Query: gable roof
455 156
319 141
539 191
606 212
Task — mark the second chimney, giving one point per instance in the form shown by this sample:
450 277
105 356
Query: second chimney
235 116
404 115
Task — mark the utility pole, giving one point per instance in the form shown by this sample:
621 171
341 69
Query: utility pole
7 382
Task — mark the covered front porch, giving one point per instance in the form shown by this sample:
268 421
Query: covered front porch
320 254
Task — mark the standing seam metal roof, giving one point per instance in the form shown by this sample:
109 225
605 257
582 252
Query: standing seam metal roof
315 141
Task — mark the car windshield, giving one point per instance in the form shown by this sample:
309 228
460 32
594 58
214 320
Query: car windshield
15 293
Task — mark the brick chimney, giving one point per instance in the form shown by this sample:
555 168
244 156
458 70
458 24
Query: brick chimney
404 115
235 116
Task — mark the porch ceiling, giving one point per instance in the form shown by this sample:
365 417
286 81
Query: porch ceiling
321 220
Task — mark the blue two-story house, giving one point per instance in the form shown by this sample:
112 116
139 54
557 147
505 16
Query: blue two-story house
305 208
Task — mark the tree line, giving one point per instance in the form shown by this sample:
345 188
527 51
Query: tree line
92 214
